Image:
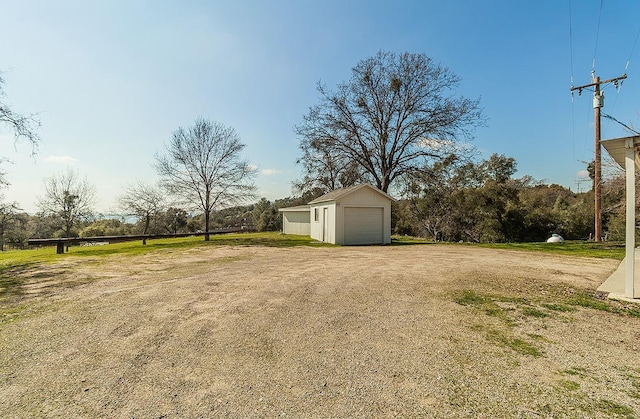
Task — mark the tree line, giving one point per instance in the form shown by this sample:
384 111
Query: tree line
456 201
396 123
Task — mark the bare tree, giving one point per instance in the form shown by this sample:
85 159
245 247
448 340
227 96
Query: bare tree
68 198
23 127
143 201
8 212
325 171
396 114
203 168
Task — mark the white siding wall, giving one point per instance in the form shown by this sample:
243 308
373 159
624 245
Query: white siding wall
296 222
318 229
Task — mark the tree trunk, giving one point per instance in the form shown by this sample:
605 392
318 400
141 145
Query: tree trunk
147 221
206 225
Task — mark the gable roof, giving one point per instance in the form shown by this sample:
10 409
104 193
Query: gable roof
339 193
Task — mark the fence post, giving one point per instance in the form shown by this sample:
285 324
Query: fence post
60 247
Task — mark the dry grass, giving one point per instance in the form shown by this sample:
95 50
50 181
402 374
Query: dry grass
241 331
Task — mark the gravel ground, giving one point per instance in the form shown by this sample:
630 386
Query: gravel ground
397 331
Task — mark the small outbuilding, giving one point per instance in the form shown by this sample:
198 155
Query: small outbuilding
296 220
357 215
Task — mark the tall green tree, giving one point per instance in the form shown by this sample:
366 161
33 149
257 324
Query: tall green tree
175 220
266 216
430 193
396 114
203 167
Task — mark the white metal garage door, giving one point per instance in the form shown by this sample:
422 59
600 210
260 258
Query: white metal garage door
363 225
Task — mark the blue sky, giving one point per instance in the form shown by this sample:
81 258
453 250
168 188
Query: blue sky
112 79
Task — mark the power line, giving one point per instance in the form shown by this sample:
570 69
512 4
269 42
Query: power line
598 103
573 117
571 45
593 66
633 48
621 123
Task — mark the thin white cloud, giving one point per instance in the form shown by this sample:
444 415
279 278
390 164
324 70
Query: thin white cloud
583 174
60 159
269 172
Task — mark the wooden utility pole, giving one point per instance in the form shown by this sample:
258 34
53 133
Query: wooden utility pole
598 103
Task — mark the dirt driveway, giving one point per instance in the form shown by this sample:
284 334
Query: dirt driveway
396 331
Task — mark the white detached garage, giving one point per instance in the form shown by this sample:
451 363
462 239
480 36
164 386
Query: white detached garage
356 215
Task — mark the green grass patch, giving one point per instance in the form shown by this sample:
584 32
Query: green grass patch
595 302
632 310
10 314
407 240
558 307
9 285
518 345
577 371
588 301
16 312
534 312
538 337
613 409
485 303
635 383
488 303
569 385
471 298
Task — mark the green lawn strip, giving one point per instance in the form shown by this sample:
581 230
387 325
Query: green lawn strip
13 258
606 250
15 262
